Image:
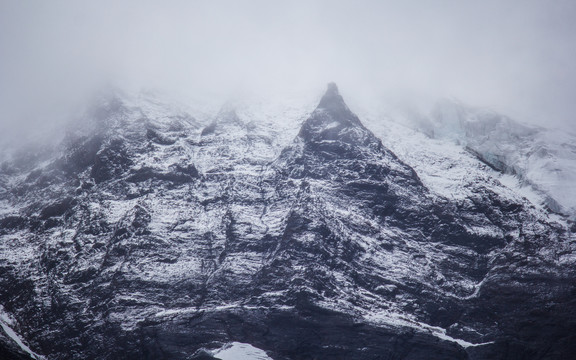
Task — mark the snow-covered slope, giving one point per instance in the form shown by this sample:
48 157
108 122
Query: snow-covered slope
304 231
239 351
540 157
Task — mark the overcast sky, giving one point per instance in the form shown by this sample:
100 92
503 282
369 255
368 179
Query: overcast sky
518 57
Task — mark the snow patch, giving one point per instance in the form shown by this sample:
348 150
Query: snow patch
240 351
394 319
189 310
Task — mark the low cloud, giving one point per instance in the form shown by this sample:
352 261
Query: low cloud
516 57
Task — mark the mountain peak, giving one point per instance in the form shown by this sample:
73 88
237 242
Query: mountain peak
332 119
227 114
332 88
332 100
226 117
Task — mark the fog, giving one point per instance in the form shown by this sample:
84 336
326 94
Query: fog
517 57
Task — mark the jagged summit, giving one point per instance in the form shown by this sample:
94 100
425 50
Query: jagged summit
332 100
333 103
227 116
333 140
333 120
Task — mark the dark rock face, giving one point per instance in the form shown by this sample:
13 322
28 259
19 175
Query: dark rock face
10 351
157 241
111 161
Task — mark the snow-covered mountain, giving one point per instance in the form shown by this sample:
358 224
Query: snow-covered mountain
543 158
281 232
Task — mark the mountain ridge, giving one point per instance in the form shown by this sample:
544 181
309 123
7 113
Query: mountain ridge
330 247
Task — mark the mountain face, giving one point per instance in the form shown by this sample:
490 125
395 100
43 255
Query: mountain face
542 158
151 234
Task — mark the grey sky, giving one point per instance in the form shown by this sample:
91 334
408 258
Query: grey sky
518 57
